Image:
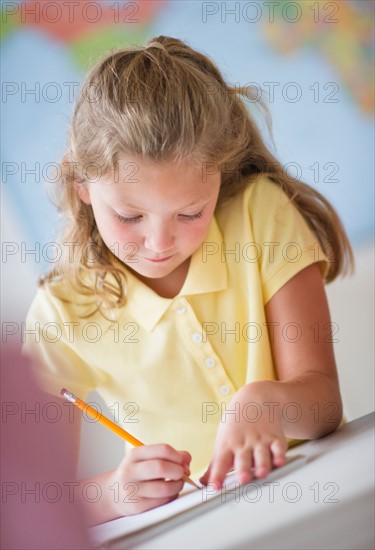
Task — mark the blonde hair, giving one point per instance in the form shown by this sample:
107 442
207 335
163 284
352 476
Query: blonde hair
167 102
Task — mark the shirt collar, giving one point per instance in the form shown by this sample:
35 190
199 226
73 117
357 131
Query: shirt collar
207 273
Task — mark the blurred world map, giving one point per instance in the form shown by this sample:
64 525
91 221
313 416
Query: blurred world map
312 60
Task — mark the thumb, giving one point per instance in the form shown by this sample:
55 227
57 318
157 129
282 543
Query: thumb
186 457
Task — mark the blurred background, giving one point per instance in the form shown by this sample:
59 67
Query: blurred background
311 61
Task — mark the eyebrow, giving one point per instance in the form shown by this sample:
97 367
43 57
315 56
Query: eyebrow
134 207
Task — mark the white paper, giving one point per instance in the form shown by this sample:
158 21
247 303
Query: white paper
189 498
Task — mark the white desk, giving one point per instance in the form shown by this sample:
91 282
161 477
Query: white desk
326 503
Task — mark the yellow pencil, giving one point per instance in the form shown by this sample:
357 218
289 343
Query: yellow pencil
108 423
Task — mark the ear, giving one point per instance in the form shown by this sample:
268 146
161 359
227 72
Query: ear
83 192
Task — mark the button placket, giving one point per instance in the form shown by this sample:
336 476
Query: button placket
202 351
180 307
196 337
209 362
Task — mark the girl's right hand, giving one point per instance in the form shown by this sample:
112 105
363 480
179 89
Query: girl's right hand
147 477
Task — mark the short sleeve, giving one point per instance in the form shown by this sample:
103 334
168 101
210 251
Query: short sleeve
50 343
286 243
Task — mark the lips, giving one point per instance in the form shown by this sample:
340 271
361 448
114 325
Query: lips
159 260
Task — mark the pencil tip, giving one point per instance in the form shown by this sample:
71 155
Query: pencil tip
63 391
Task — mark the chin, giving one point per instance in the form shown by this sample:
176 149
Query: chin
153 271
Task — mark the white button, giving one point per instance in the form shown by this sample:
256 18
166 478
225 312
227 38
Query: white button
196 337
181 309
224 390
209 362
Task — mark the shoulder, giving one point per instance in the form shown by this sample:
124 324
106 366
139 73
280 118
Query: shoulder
55 299
260 201
263 196
274 234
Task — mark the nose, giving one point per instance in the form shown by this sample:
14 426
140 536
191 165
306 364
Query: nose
159 238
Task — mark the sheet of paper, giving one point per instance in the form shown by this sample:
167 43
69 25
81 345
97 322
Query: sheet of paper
189 498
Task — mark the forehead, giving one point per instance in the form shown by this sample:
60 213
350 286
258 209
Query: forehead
132 169
142 181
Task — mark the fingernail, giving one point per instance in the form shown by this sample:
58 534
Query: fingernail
215 484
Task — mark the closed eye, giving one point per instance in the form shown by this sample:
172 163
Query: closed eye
192 216
122 219
136 219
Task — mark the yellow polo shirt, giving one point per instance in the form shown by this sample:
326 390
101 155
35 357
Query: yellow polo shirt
167 367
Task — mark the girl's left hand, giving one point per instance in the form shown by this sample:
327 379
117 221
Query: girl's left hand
250 440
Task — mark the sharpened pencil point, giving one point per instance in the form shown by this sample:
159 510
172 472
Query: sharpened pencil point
68 395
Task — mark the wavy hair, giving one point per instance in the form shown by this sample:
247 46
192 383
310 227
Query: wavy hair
167 102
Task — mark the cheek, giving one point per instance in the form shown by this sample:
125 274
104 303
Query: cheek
115 233
126 235
194 235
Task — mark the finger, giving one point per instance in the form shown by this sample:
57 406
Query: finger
262 460
186 457
160 451
278 449
156 489
157 469
243 462
205 477
219 468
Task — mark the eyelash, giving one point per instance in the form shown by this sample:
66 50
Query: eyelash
127 220
136 219
193 216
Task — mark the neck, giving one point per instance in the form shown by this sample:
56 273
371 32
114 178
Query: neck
170 285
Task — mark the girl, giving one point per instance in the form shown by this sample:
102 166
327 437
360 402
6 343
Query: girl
190 292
